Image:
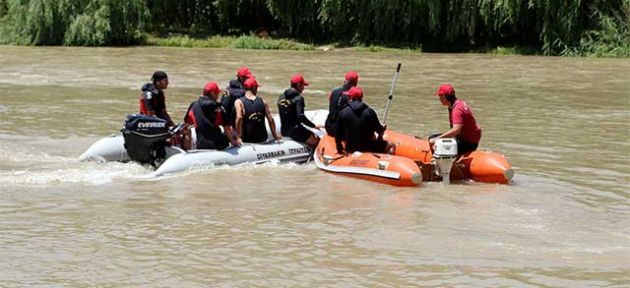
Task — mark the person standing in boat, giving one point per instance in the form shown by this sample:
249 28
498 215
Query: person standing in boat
463 124
235 90
251 112
358 126
291 109
338 100
153 100
206 114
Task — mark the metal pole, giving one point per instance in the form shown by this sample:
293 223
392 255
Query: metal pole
391 94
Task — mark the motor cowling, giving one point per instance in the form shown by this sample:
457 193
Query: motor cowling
444 156
145 138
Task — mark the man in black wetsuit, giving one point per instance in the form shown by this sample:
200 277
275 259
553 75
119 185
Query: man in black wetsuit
251 112
153 100
291 109
338 101
234 91
359 127
206 114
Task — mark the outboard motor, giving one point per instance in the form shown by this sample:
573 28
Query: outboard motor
145 138
444 155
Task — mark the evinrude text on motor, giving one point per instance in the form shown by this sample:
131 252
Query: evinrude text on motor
146 139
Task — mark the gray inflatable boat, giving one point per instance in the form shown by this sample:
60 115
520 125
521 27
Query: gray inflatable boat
286 150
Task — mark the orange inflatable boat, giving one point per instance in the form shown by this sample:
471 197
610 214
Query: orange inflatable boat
480 166
383 168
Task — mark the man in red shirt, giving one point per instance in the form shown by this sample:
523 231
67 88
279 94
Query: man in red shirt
463 125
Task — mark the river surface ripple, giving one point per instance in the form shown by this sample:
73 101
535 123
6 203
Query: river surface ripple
564 222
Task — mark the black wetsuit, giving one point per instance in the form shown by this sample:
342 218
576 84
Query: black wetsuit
234 91
356 125
337 102
291 109
153 100
254 130
207 115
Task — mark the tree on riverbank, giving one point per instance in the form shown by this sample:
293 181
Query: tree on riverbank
552 27
72 22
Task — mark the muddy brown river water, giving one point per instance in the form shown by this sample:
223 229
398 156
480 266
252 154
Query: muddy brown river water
564 221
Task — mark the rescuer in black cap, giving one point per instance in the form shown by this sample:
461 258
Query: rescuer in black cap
153 100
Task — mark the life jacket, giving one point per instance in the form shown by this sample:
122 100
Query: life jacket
287 108
234 91
153 99
337 102
254 130
207 115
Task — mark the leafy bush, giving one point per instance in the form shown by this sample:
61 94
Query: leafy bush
186 41
611 39
253 42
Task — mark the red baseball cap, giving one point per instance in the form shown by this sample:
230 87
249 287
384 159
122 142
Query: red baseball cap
298 79
251 83
445 89
352 76
355 93
211 87
244 72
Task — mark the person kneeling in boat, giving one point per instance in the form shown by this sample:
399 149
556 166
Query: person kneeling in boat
251 112
338 101
153 100
291 109
463 124
358 125
206 114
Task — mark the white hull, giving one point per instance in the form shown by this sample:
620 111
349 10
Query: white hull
112 149
282 151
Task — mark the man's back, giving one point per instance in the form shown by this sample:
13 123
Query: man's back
357 124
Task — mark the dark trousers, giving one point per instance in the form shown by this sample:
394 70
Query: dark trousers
463 147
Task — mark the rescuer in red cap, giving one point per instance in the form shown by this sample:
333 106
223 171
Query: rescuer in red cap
358 126
338 101
463 124
207 115
291 109
251 111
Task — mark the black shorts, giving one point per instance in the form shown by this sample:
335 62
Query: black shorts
464 147
300 134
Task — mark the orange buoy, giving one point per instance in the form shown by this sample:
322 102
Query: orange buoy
378 167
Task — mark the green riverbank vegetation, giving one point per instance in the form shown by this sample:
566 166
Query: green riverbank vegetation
548 27
242 42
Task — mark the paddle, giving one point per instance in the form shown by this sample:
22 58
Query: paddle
391 94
